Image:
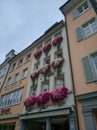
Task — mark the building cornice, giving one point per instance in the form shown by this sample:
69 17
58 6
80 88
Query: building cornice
8 117
69 5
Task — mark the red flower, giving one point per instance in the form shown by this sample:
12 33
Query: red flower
59 94
38 53
47 47
57 40
30 101
43 98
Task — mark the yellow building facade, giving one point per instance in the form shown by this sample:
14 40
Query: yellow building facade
14 90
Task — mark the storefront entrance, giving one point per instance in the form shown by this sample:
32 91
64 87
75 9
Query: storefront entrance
57 123
7 127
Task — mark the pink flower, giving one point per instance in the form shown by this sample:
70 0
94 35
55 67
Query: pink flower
35 75
30 101
47 47
57 40
43 98
59 94
46 69
57 63
38 53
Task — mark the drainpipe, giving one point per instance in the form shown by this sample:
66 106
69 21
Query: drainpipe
94 5
68 45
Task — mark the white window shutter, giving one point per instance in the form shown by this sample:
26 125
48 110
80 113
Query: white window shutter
75 13
79 33
88 71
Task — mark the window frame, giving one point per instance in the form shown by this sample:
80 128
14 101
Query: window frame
45 60
92 68
60 77
28 57
80 35
26 70
5 101
45 82
57 52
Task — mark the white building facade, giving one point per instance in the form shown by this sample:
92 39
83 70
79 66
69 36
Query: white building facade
50 101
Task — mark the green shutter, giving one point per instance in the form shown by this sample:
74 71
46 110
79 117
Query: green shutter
79 33
75 13
88 69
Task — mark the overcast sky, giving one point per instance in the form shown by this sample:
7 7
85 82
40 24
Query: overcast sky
24 21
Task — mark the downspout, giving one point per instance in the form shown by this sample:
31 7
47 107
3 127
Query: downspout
94 5
68 45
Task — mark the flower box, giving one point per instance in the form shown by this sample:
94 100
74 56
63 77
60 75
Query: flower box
45 71
34 76
57 65
47 48
37 54
42 99
57 41
58 94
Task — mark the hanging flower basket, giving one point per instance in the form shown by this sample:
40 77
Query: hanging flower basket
57 66
45 71
47 48
29 102
58 94
42 99
57 41
37 54
34 76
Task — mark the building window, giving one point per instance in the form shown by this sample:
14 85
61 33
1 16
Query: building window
45 86
24 73
28 57
16 77
37 66
47 60
48 41
81 9
11 98
59 82
8 81
95 61
87 29
90 67
58 54
90 27
39 47
33 90
58 34
13 66
20 62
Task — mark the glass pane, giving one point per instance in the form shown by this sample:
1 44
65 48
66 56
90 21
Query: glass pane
94 26
87 30
45 87
85 5
95 61
59 83
80 9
